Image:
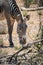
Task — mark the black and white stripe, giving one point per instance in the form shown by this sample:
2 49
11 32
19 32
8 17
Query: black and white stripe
14 7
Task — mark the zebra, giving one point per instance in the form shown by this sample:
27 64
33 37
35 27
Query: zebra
11 8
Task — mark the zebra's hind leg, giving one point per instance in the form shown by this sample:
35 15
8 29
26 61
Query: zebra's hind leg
10 28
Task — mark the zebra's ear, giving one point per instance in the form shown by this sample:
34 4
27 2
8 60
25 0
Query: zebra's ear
27 17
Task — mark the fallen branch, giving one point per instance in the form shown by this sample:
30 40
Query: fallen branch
25 47
10 57
31 9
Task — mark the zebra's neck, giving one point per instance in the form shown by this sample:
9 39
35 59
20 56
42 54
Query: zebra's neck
14 7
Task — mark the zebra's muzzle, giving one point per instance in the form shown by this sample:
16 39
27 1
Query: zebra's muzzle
23 41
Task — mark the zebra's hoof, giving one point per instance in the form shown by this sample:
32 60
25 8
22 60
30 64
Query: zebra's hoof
12 45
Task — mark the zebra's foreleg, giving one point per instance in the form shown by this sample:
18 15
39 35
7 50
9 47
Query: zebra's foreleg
10 28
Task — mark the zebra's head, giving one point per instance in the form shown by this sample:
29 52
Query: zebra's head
21 30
